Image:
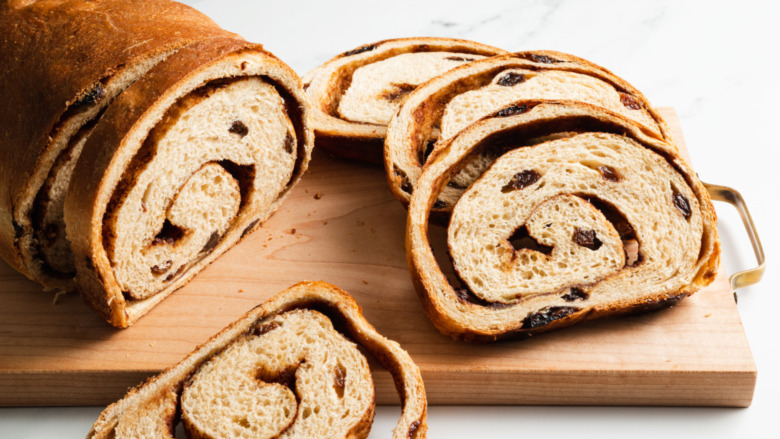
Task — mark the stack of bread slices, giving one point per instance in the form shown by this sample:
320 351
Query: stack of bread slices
560 190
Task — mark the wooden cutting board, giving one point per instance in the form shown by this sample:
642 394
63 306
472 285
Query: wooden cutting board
342 225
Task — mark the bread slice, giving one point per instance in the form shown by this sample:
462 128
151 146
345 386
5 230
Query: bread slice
291 367
450 102
590 219
355 94
141 150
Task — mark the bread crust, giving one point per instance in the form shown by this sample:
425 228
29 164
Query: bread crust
455 317
413 128
335 303
326 84
53 53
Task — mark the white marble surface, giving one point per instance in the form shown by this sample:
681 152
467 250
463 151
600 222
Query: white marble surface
715 62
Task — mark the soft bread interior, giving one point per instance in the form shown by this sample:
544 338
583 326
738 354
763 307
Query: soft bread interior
518 84
224 149
298 378
378 89
555 207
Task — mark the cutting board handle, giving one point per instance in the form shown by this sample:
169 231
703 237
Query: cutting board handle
731 196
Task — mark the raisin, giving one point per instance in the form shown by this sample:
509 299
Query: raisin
176 273
288 143
211 243
244 64
544 59
629 102
361 49
586 238
162 268
682 204
459 58
339 380
249 227
406 185
511 79
609 173
397 92
547 315
575 294
521 180
239 128
264 328
91 96
512 110
413 427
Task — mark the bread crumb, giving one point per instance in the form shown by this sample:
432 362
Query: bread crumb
153 343
318 195
57 296
240 290
324 223
709 314
364 282
292 231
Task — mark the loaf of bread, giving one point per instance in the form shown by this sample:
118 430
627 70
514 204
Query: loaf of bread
448 103
354 95
290 368
568 212
140 141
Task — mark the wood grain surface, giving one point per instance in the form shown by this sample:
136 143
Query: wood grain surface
342 225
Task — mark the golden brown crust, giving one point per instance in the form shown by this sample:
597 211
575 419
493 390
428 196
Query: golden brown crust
53 53
320 296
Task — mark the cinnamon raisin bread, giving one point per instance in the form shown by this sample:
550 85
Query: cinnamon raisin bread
141 150
579 214
292 367
448 103
355 94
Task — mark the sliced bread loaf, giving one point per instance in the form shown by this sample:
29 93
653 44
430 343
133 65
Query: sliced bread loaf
355 94
578 213
290 368
141 150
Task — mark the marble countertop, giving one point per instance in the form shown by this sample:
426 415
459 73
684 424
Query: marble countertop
712 61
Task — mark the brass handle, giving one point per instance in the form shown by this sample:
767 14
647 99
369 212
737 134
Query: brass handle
731 196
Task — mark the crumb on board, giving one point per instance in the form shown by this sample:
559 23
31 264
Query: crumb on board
57 296
240 290
324 223
708 315
292 231
318 195
364 282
